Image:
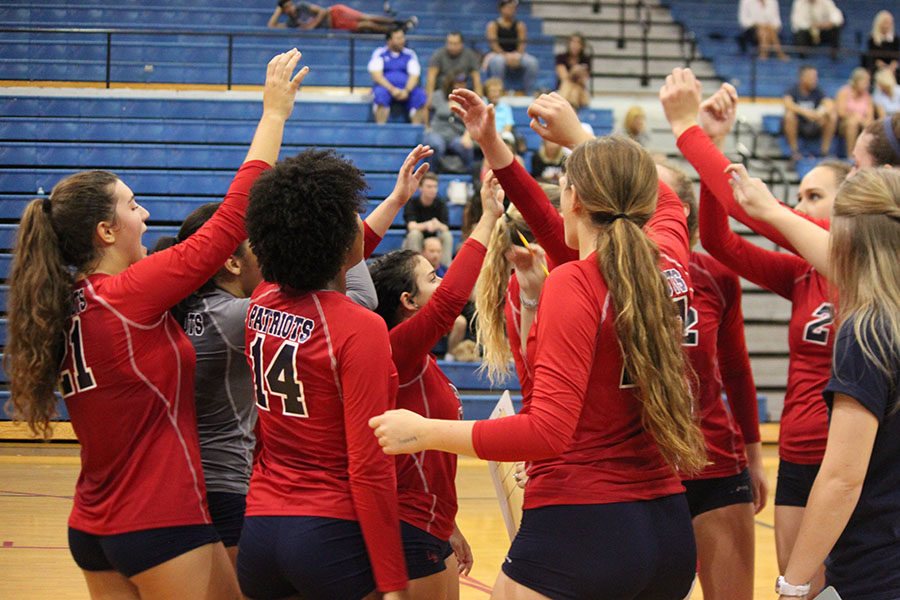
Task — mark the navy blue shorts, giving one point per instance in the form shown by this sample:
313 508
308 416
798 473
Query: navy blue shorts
425 554
794 483
227 512
704 495
416 100
638 550
317 558
136 551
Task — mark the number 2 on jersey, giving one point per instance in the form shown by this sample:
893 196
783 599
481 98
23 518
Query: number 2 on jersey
279 378
816 331
84 376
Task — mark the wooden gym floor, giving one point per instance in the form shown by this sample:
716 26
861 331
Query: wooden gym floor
37 482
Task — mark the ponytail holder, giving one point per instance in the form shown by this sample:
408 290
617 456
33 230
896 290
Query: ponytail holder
618 216
46 204
888 126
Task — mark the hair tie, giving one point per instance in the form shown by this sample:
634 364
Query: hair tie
888 126
46 204
618 216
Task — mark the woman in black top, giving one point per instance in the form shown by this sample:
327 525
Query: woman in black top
507 37
883 47
573 72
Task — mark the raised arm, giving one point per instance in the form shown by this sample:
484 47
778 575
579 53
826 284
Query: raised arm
273 20
154 284
316 21
408 179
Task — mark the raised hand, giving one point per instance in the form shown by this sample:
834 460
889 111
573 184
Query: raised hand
752 194
281 89
399 431
531 268
717 113
555 120
475 114
492 196
680 97
409 177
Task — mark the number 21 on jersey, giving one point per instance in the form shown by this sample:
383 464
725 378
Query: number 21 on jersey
278 378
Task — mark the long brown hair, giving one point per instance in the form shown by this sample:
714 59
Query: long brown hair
55 234
864 246
615 176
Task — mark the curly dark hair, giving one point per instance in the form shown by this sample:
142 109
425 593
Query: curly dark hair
393 273
302 218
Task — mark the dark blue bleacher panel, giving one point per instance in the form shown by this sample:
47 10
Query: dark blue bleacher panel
63 414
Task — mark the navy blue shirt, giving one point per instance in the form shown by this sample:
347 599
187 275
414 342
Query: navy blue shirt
810 101
865 562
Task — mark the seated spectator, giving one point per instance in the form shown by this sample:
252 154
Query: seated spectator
503 115
454 56
887 94
305 15
883 46
808 113
855 108
507 37
573 72
396 70
547 162
433 250
635 126
447 133
760 21
426 216
817 23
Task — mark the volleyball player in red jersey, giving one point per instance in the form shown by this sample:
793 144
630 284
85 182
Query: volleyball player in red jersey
419 309
321 518
604 514
140 527
804 422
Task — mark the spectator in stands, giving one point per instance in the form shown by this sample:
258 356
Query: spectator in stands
433 250
808 113
426 216
817 23
454 56
883 46
396 70
760 21
573 71
547 162
503 115
447 134
635 126
305 15
507 37
855 108
887 94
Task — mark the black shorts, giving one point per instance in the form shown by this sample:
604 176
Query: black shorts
136 551
227 512
794 483
425 554
704 495
317 558
639 550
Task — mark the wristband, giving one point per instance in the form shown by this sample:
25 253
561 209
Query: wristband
783 588
530 303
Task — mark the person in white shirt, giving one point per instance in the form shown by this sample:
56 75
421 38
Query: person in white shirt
760 21
817 23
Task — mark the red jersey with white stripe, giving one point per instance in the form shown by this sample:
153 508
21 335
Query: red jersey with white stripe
804 420
427 480
128 381
714 342
321 369
581 426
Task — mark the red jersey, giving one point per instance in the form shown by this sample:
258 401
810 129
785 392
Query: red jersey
582 425
321 369
804 420
128 381
714 342
427 480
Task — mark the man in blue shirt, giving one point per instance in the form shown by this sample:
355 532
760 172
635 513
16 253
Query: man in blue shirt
396 71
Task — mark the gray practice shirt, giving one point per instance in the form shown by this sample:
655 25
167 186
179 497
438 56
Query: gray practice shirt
466 61
223 390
